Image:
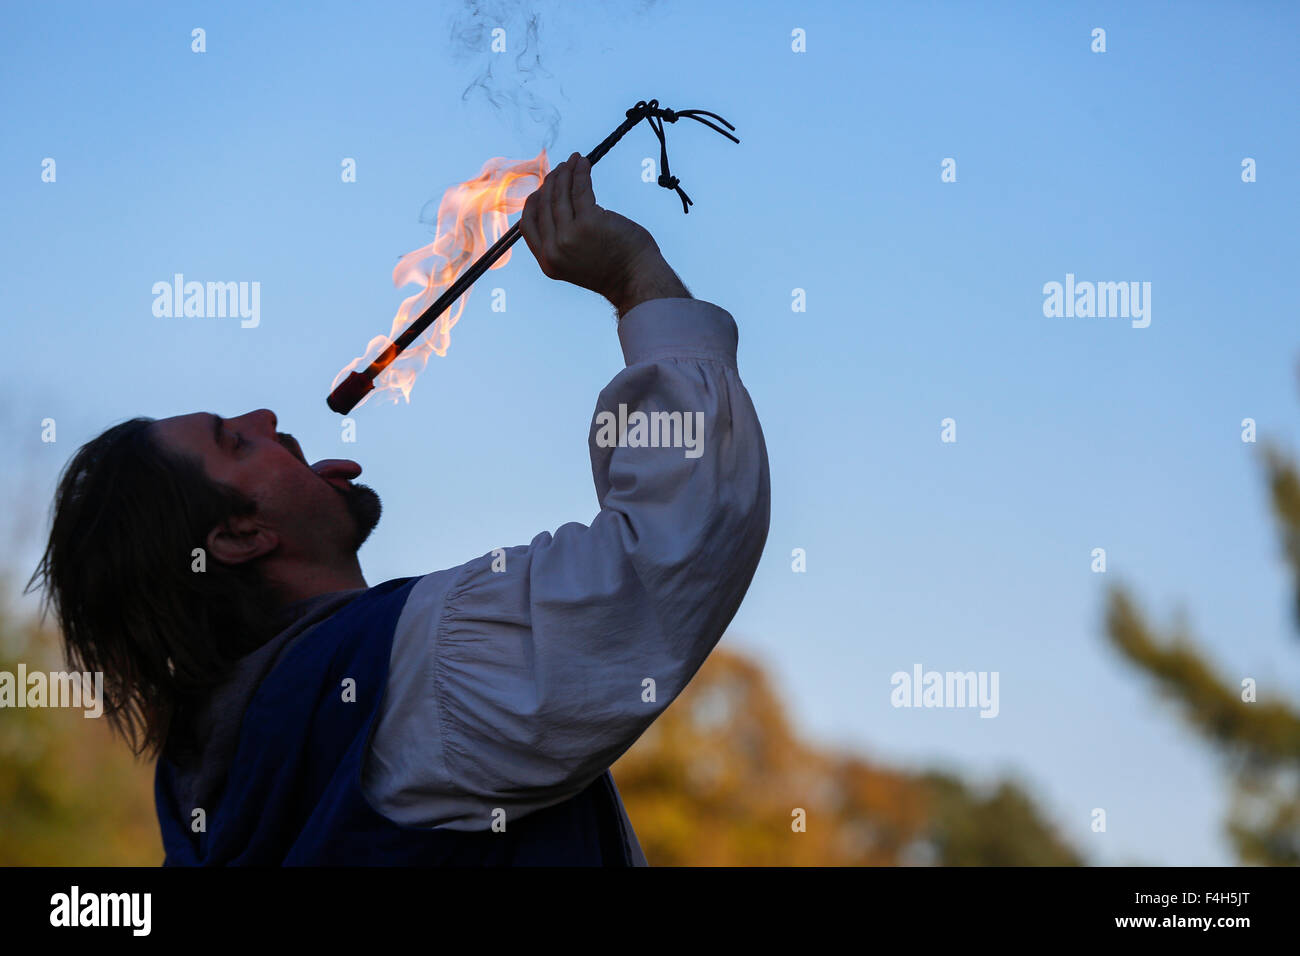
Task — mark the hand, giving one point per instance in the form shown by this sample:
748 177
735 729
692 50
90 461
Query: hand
576 240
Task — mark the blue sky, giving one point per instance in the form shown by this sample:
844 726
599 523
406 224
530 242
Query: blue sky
924 301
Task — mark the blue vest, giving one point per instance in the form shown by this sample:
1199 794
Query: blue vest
293 795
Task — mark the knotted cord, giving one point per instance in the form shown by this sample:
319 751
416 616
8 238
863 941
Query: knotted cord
657 116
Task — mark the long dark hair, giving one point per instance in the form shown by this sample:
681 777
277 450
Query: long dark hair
118 572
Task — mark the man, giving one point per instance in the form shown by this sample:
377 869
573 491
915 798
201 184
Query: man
469 716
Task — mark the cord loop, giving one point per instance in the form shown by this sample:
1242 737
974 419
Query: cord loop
657 116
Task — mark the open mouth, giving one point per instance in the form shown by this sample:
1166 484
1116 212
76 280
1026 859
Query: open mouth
338 472
337 481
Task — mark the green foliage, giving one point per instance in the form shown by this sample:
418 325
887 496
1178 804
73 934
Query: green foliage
1259 741
1002 829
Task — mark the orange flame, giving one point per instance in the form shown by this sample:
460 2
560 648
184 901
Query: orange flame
471 216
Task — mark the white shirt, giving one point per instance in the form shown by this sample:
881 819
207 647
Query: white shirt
517 679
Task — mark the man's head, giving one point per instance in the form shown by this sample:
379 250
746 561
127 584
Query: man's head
173 545
306 517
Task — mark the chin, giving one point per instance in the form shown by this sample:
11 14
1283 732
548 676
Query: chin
364 506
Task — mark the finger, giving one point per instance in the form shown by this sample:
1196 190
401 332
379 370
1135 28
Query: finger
562 198
535 212
584 197
528 221
542 222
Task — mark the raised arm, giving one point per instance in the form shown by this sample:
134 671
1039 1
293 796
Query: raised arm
533 670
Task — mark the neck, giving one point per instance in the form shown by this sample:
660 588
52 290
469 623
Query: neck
293 583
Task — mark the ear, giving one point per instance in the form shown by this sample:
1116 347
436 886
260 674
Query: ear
241 539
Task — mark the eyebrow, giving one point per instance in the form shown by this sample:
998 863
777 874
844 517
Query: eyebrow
216 428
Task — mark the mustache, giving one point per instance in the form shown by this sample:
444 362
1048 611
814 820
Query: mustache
291 443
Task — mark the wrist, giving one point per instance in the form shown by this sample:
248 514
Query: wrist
652 280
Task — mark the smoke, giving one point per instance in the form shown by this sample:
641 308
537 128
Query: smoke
502 42
502 39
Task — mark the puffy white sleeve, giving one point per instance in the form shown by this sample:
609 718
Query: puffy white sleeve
521 676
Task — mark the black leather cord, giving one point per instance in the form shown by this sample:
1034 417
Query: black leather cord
657 117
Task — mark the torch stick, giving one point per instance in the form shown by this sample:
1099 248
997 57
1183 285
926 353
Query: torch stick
359 384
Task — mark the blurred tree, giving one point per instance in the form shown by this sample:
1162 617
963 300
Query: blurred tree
1003 829
1259 741
70 794
718 779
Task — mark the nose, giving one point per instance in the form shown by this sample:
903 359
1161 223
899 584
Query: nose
263 419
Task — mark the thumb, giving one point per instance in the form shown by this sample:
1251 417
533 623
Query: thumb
583 195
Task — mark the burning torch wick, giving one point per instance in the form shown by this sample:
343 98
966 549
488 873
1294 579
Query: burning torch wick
355 387
358 384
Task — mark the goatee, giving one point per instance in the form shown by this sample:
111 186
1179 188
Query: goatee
365 507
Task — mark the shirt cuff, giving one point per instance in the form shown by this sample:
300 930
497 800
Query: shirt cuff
678 328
